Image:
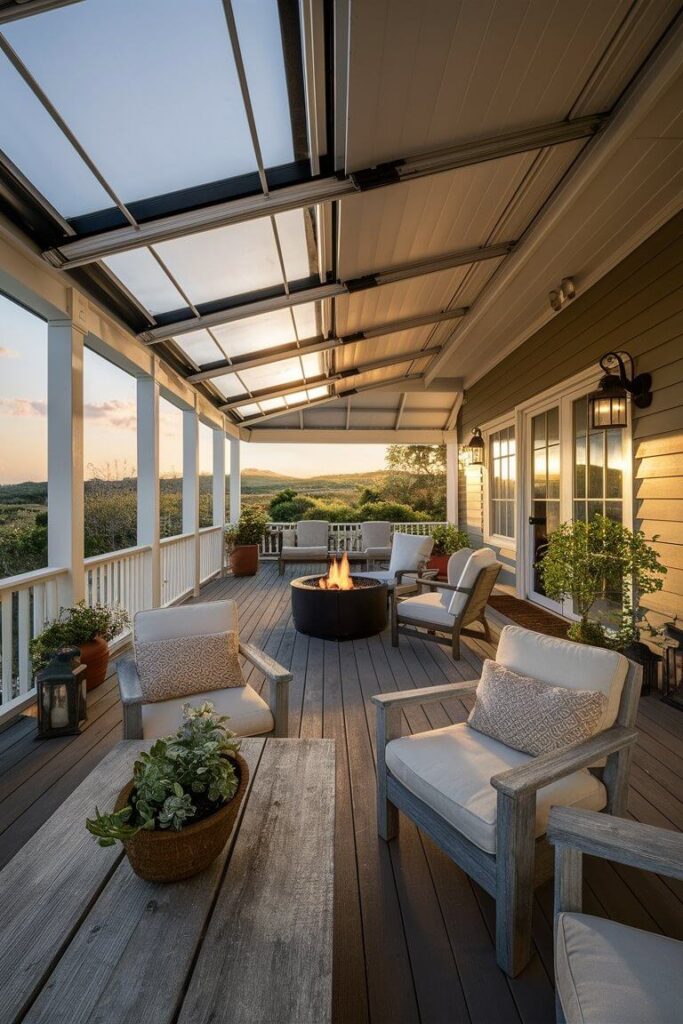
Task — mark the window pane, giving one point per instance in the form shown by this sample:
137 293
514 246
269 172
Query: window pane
143 276
615 464
538 430
553 425
158 108
595 469
554 471
614 510
540 485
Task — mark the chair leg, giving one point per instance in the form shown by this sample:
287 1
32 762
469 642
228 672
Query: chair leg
515 830
487 628
394 623
388 727
455 644
281 567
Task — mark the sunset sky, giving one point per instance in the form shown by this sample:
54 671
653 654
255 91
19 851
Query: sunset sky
110 419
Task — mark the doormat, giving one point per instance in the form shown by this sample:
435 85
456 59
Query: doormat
529 615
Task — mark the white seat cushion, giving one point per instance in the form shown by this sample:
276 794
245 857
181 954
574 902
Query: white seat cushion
608 972
249 714
408 551
187 620
450 770
427 607
563 663
303 553
478 560
380 552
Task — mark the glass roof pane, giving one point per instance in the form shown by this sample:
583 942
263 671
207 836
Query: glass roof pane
256 332
318 392
158 108
228 385
292 233
248 410
258 28
312 364
306 322
200 347
308 395
32 140
272 374
272 403
143 276
227 261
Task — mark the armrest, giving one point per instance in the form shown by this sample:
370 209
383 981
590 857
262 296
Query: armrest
264 663
627 842
547 768
129 681
427 695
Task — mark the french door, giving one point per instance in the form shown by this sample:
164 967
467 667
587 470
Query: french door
544 498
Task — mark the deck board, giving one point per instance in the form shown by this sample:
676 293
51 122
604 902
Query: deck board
414 937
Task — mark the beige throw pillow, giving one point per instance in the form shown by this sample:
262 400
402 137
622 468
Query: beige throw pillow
530 715
188 664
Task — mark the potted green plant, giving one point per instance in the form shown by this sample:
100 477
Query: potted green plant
89 629
448 539
243 539
176 813
586 561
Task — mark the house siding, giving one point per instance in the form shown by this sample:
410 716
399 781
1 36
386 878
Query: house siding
638 306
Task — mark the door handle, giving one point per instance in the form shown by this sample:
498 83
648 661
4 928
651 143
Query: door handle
537 520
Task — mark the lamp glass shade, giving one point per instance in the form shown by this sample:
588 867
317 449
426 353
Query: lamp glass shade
475 448
607 406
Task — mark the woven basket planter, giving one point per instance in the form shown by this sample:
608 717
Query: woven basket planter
170 855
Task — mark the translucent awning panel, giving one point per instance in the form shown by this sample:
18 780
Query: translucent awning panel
268 330
229 385
200 347
157 103
273 375
291 231
143 276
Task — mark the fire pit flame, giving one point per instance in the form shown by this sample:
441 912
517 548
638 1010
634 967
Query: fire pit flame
339 577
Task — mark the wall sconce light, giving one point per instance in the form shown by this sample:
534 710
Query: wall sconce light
607 406
474 449
559 297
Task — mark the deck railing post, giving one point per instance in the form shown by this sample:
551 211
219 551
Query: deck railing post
65 445
452 481
148 483
191 489
235 480
219 485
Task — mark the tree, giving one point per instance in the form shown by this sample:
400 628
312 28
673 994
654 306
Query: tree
417 477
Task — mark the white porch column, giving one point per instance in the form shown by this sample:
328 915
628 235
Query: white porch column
65 450
452 481
218 478
148 482
235 480
191 486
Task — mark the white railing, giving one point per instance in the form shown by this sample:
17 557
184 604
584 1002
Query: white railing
177 567
27 602
210 552
120 579
343 536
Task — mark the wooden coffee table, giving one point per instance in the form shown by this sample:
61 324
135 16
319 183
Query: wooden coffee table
250 939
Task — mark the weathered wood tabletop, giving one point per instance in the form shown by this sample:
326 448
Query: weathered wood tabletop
250 939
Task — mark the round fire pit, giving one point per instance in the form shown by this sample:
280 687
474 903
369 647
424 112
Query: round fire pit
339 614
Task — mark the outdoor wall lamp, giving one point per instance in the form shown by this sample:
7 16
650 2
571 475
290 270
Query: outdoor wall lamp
607 405
474 449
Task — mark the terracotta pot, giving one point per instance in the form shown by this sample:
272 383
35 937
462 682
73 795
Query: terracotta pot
440 563
244 560
95 657
171 856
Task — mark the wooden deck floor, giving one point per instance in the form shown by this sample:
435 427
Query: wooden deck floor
413 935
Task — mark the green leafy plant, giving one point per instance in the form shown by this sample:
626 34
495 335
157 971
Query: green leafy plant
586 561
448 539
74 627
249 529
183 779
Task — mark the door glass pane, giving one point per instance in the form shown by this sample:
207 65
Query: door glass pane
553 427
615 464
540 473
538 430
554 471
596 464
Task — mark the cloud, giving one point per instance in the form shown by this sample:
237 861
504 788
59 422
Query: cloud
22 407
121 415
8 353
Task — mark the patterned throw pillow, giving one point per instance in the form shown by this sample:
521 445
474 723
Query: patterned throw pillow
188 664
530 715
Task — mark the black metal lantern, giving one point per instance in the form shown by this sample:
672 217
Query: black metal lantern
608 405
475 448
672 688
61 695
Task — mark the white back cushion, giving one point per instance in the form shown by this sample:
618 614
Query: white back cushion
564 663
456 566
312 533
408 552
376 535
477 561
188 620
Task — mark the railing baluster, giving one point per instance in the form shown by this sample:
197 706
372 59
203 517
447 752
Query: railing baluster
6 634
23 636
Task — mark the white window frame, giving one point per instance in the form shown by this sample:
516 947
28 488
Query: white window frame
490 428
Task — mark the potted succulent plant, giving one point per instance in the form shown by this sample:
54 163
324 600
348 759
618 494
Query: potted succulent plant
175 815
448 539
243 539
89 629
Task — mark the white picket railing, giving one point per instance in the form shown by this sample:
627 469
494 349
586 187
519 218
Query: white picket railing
343 536
120 579
177 567
210 552
27 602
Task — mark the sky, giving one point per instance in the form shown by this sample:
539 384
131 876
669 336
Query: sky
110 420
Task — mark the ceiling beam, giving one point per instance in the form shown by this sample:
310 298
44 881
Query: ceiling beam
319 190
13 11
319 344
356 435
231 309
399 413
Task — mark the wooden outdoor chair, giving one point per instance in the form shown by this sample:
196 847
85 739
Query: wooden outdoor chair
606 971
307 541
485 804
450 607
409 556
249 713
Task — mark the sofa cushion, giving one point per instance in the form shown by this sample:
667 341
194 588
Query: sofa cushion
608 972
563 663
450 769
478 560
376 535
299 553
533 716
248 713
430 607
312 533
183 665
186 620
409 551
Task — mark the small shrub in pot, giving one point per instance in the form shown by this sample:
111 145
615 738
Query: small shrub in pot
89 629
448 538
243 539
